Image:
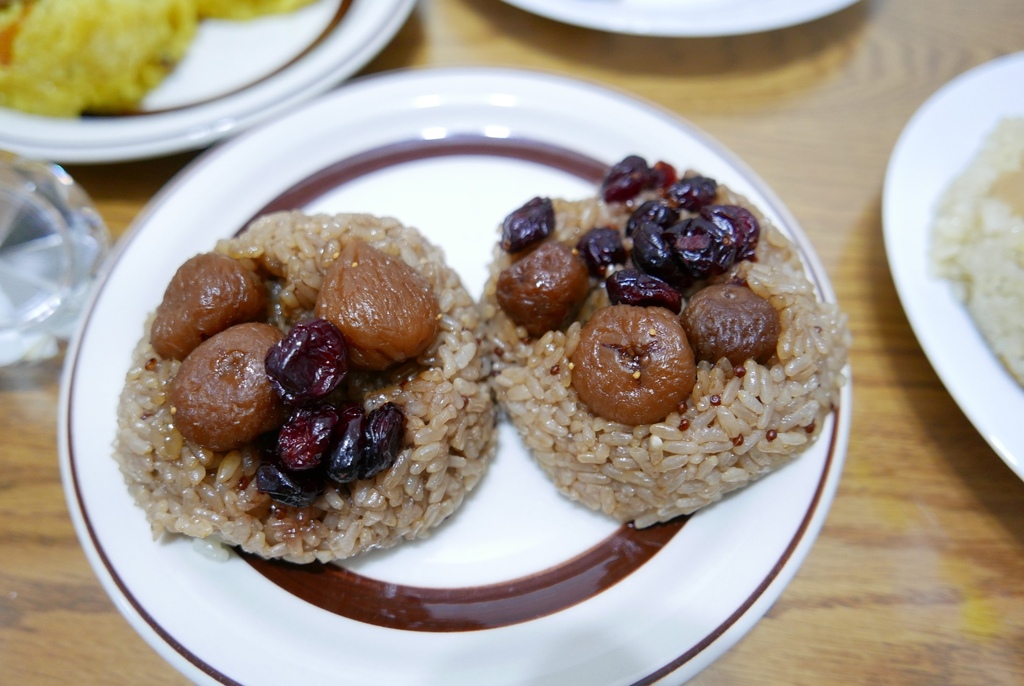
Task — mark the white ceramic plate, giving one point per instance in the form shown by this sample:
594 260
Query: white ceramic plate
235 75
683 17
936 146
520 586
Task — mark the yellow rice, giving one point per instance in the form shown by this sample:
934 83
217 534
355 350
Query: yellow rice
65 57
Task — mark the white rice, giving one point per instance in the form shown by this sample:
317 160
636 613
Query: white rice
978 241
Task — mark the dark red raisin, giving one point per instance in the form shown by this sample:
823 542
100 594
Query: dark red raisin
308 363
633 287
654 211
298 489
654 256
531 223
346 451
385 431
702 247
306 436
626 179
601 248
740 222
693 192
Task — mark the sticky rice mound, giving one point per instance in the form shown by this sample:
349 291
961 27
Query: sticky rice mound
736 426
448 408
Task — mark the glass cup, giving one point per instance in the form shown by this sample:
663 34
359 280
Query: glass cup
52 242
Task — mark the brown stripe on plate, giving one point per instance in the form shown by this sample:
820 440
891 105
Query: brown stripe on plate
327 31
344 171
341 591
414 608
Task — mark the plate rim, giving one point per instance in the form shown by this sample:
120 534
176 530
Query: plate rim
812 519
622 20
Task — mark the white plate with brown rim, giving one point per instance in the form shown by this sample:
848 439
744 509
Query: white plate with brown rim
520 586
919 172
235 75
683 17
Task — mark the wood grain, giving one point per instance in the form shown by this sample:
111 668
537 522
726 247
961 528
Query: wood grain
918 575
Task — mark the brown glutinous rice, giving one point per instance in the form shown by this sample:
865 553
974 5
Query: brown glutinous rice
449 411
655 472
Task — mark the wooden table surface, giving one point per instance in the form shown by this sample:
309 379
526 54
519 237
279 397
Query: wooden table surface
918 574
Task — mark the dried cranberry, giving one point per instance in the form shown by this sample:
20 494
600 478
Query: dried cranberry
531 223
702 247
740 222
298 489
663 175
626 179
654 211
601 248
346 452
633 287
308 363
693 192
385 430
306 436
653 254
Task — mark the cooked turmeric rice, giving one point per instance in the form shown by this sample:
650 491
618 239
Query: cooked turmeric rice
65 57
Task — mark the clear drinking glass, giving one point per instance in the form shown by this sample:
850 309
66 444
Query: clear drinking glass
52 241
